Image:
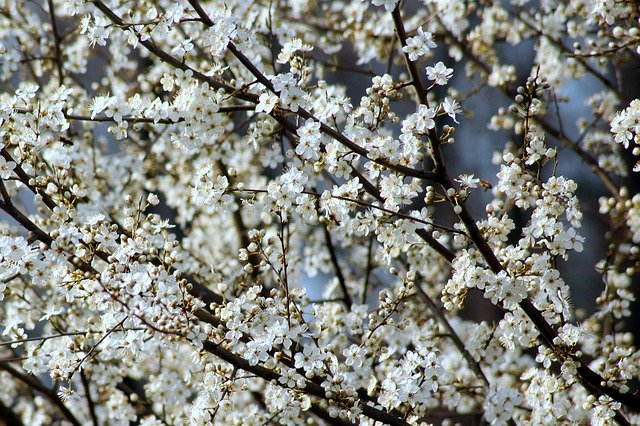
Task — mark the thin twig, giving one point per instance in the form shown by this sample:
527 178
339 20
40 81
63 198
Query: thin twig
346 297
91 405
56 42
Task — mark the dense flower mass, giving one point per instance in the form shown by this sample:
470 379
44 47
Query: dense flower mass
250 212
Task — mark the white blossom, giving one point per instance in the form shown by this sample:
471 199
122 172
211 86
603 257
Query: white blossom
439 73
263 213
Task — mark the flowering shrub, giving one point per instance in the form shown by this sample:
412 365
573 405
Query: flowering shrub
173 173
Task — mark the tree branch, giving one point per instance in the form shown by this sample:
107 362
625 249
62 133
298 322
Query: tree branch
36 385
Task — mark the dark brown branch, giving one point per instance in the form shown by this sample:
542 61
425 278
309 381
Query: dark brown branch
25 179
336 266
90 403
547 333
36 385
311 388
369 269
56 42
401 33
135 387
459 344
421 92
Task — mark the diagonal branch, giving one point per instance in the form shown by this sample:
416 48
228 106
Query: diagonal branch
593 382
244 95
310 387
50 394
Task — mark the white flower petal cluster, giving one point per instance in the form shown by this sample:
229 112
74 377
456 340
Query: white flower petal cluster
439 73
289 93
498 403
389 5
625 126
420 45
271 212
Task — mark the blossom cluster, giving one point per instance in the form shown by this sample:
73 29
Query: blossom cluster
247 213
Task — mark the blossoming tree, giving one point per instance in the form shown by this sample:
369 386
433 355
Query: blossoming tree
173 172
